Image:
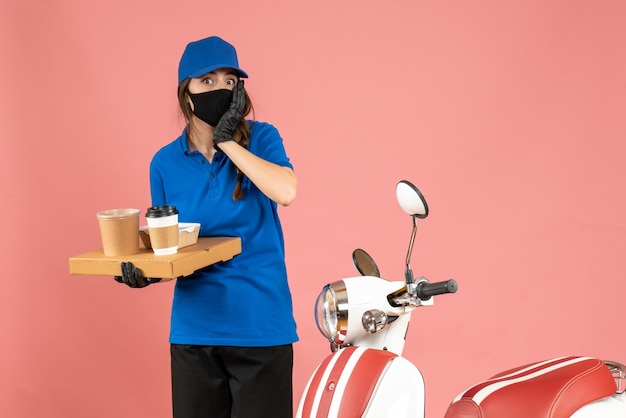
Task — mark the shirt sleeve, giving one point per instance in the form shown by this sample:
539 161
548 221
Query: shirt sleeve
157 191
266 143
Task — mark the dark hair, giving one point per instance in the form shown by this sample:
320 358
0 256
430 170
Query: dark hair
241 135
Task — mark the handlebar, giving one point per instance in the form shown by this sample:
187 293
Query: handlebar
426 290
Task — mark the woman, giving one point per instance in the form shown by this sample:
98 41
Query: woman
232 326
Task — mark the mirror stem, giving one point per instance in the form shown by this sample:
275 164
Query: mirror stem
409 273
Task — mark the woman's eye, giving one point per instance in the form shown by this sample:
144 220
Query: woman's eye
207 81
231 82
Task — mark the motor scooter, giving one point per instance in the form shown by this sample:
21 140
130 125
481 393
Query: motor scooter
366 319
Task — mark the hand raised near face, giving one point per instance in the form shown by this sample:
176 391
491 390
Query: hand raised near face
225 128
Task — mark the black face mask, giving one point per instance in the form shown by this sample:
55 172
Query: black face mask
211 105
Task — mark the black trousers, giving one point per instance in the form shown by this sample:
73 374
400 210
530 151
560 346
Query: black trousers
232 382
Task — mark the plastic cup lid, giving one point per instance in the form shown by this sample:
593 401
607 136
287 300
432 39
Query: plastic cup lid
117 213
161 211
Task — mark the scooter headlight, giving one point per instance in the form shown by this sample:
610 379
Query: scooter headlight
331 312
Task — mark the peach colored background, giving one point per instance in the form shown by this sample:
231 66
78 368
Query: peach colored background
509 116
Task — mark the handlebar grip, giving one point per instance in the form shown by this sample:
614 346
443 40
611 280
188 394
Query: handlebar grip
426 290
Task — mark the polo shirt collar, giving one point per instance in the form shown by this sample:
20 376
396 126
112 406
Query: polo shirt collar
184 142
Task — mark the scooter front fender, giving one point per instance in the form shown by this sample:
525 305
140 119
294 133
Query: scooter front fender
358 382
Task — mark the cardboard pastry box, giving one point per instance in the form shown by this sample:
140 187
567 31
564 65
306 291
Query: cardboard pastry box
206 251
187 235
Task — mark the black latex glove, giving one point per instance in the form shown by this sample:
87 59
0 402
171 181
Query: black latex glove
133 277
228 123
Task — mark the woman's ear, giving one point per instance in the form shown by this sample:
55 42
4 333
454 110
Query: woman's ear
189 102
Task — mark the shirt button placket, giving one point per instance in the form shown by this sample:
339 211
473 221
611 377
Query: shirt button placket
213 187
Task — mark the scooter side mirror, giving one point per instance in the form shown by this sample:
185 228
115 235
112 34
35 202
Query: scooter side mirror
364 263
411 199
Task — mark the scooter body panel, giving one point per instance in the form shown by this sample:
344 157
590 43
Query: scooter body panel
358 382
366 293
611 407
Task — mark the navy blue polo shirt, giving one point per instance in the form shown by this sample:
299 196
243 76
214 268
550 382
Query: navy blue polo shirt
245 301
